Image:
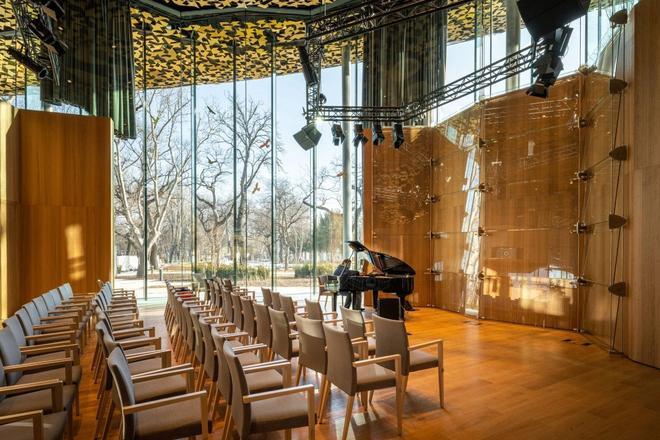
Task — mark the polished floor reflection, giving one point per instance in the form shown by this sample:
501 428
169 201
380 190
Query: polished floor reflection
503 381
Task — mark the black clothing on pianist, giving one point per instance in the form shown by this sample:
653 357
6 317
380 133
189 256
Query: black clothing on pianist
352 298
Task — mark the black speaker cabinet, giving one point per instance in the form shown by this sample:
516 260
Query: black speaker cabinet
544 16
389 308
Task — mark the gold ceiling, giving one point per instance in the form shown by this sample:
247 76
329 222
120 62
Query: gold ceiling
169 56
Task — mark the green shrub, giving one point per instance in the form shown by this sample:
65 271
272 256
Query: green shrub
305 270
227 271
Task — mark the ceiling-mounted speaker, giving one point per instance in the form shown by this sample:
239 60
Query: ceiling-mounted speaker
307 68
545 16
308 137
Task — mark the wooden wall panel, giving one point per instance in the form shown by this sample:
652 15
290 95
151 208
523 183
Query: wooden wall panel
63 198
9 209
642 131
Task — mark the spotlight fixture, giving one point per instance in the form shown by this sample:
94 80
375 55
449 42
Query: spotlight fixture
308 137
308 70
359 137
46 35
39 70
549 65
52 8
378 136
397 135
338 135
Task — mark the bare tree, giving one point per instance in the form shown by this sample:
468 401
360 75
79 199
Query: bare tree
160 168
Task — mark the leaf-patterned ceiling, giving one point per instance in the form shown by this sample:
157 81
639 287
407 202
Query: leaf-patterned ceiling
169 55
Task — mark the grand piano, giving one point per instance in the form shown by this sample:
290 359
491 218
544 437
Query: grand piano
391 276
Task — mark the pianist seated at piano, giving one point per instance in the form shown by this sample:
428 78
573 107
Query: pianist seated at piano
353 298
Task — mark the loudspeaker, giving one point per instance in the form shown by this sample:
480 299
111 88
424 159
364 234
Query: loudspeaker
544 16
389 308
307 69
308 137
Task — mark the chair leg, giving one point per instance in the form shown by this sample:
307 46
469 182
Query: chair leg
399 407
363 398
347 417
228 425
69 424
108 420
371 396
325 391
76 400
298 373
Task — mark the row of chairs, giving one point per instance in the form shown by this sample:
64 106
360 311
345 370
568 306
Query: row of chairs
40 371
271 334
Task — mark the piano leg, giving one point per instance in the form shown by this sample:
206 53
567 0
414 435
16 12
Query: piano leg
334 301
375 300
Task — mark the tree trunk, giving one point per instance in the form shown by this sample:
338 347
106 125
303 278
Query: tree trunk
154 259
141 265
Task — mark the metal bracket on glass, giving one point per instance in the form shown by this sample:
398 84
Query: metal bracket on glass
483 143
484 188
619 153
583 228
583 282
434 235
481 232
583 175
618 289
615 221
430 199
619 18
617 86
583 123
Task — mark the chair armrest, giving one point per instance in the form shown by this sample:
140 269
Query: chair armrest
283 366
332 321
155 341
234 335
308 389
211 318
293 335
333 314
70 326
370 334
377 360
163 373
164 355
55 386
136 330
35 416
132 409
59 318
72 350
70 333
41 365
246 348
436 342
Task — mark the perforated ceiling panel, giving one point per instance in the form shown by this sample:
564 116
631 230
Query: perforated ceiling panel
169 50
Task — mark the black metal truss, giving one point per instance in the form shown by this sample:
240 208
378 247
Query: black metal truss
371 15
502 69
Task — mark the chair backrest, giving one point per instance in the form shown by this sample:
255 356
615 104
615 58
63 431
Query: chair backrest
50 301
54 296
268 297
277 304
14 324
41 306
311 339
288 307
26 322
195 317
227 309
264 331
237 310
241 412
10 353
340 359
210 362
249 323
322 280
281 340
32 312
224 378
66 291
392 339
353 322
121 377
314 310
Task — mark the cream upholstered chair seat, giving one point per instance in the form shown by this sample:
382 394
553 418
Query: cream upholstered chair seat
52 426
422 360
278 413
57 373
159 388
374 377
41 399
178 420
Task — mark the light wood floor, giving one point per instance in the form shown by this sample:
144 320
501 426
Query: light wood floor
503 381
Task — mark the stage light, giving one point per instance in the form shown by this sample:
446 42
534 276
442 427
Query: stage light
359 137
549 65
308 70
308 137
338 135
543 17
397 135
52 8
46 36
29 63
378 136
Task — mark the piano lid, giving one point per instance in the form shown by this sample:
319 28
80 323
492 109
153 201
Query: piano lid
387 264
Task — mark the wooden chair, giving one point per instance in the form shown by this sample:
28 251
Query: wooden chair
356 326
277 304
282 409
285 343
267 296
362 376
313 355
264 329
393 339
33 425
323 290
314 311
290 308
174 417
